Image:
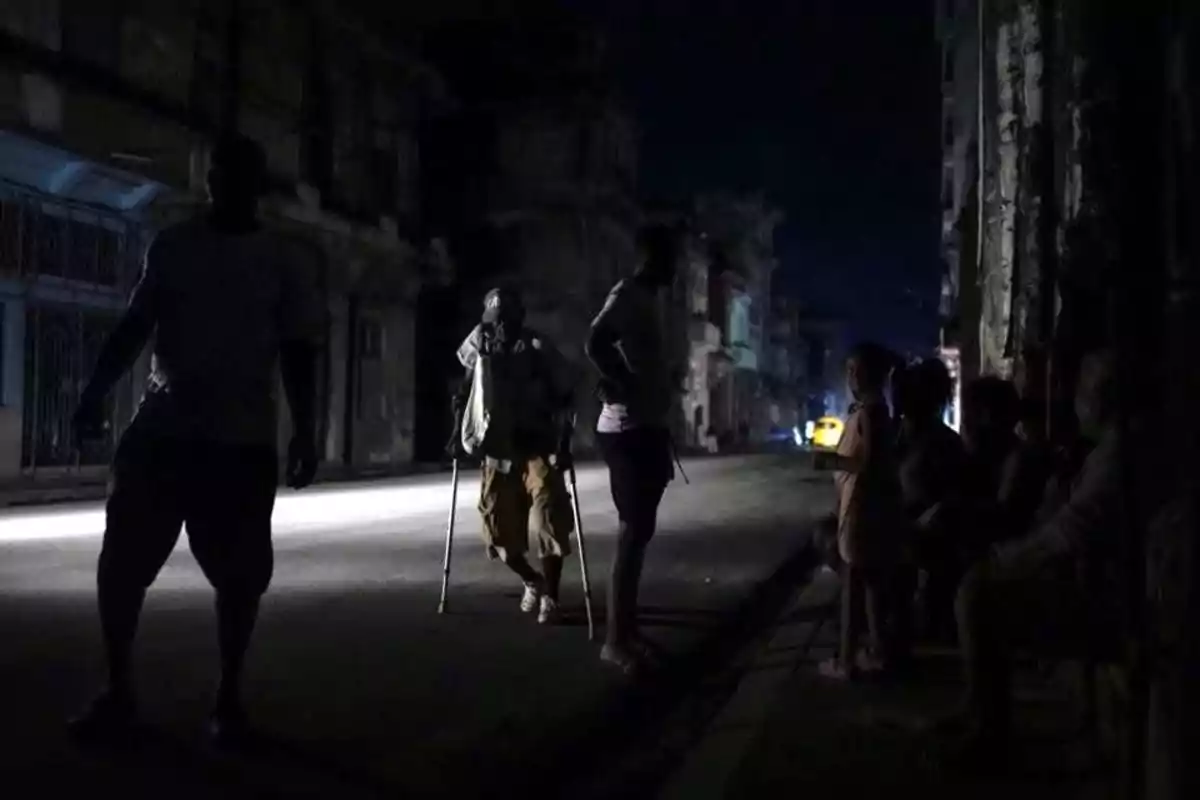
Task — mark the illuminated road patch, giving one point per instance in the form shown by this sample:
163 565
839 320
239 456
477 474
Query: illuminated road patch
321 508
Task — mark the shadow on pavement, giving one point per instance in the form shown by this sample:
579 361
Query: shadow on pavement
592 765
667 611
865 740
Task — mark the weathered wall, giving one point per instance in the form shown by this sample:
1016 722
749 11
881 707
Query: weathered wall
1090 239
1027 296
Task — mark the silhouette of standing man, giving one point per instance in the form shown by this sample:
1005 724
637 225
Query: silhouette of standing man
225 302
637 389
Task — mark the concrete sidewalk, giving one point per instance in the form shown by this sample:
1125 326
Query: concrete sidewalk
788 730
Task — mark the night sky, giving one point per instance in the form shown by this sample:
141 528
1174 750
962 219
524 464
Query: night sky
830 107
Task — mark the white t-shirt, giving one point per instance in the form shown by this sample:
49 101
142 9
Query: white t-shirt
222 305
631 312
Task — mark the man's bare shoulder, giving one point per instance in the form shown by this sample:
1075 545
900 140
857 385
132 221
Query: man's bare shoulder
626 287
618 301
177 235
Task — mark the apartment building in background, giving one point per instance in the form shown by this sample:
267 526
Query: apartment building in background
107 111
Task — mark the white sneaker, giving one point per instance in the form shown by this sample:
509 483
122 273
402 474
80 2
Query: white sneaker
548 614
529 601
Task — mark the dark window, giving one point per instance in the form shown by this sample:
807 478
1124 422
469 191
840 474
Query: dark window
317 133
12 220
370 340
61 343
383 180
948 65
109 254
50 258
91 31
81 252
205 86
948 131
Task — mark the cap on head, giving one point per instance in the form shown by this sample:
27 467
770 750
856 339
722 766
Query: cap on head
503 303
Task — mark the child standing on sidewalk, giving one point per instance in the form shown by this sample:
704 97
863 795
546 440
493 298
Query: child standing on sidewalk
869 520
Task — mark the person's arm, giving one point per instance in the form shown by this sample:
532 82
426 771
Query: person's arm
1093 507
127 340
458 406
865 451
602 347
561 376
298 367
467 355
932 517
302 322
468 351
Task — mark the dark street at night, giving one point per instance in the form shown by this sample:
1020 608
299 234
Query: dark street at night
867 329
353 667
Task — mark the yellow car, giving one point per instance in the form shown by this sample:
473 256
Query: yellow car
827 433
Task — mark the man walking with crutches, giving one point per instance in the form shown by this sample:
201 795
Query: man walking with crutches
514 415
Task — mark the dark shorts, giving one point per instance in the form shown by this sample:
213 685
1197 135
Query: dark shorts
639 467
225 494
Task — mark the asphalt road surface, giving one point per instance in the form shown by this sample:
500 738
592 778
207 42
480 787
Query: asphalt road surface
362 688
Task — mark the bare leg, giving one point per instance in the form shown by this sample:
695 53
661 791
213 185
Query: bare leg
120 609
623 587
853 597
236 618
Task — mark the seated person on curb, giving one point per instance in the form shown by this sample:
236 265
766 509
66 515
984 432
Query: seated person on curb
991 411
1017 594
931 461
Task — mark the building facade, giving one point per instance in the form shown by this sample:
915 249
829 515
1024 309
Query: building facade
739 232
696 329
824 338
1021 286
787 367
106 114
